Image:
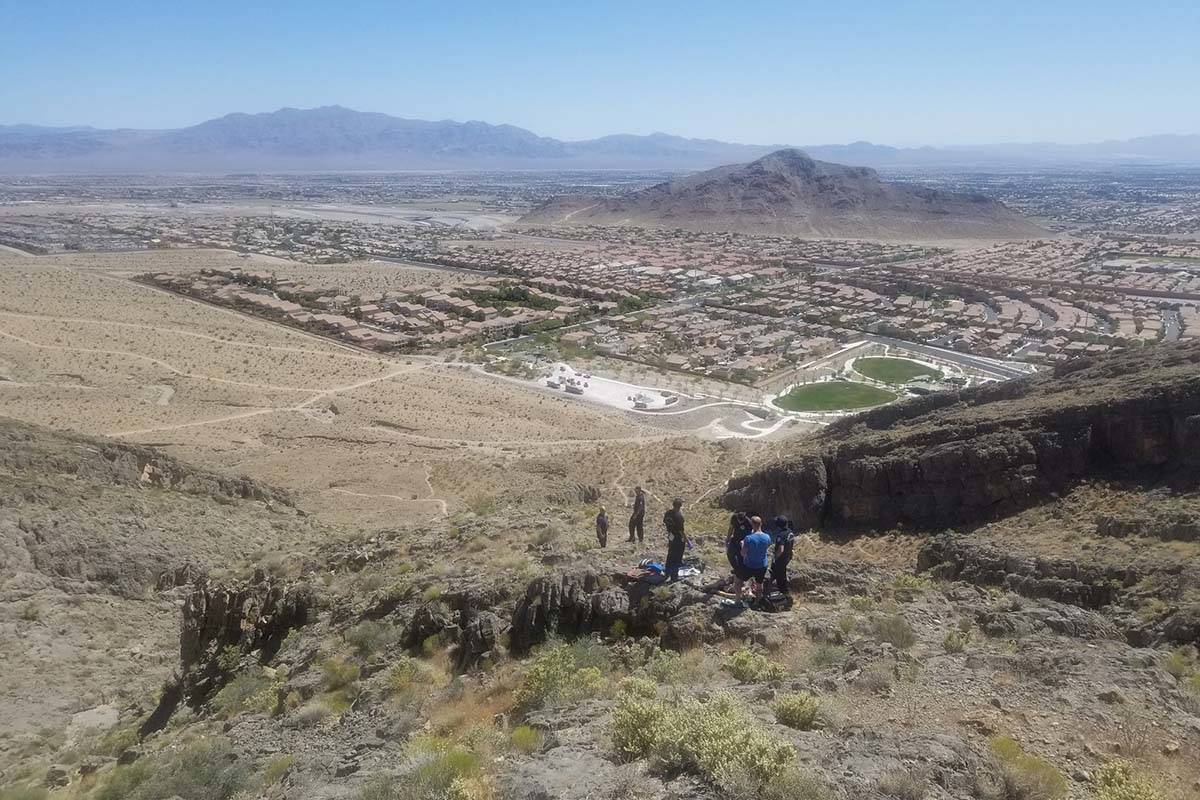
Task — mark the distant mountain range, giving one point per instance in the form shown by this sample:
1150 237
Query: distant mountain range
333 137
788 193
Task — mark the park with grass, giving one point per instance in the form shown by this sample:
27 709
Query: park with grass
833 396
887 369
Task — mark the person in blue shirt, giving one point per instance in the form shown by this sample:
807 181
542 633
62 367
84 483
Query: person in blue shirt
756 555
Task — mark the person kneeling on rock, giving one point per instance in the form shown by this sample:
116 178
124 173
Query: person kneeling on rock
756 555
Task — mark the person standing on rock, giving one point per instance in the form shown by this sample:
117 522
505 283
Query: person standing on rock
602 527
637 520
676 543
756 554
785 544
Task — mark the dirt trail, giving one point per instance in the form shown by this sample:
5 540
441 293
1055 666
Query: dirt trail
182 332
439 501
156 361
259 412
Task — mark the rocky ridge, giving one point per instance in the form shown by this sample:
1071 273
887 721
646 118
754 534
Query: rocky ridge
962 457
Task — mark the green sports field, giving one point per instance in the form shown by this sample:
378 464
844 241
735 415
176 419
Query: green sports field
833 396
893 370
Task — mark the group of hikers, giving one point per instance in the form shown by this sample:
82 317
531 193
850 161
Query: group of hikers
757 556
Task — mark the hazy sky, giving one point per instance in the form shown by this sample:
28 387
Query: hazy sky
765 72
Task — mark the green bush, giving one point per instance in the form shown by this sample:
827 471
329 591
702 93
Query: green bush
894 630
665 667
1118 781
441 771
955 641
246 693
797 710
860 602
639 687
277 768
751 666
822 656
1027 777
17 792
792 784
556 675
912 582
526 740
717 739
338 673
370 637
903 784
205 769
1180 663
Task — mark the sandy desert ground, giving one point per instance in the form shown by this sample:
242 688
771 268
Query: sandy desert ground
365 438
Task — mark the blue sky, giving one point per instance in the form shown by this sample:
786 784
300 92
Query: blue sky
794 72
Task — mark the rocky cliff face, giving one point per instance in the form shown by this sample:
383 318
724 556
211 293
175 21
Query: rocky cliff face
220 625
986 452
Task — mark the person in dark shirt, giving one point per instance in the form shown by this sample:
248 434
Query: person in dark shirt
637 520
739 526
785 543
602 527
676 543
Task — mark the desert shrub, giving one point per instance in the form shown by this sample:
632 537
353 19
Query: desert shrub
1180 663
311 714
860 602
639 687
31 612
912 582
338 673
798 710
955 641
369 637
246 693
526 740
822 656
18 792
229 658
277 768
1118 781
903 784
441 771
555 675
848 623
792 784
590 653
716 739
1025 776
205 769
473 787
894 630
876 679
440 764
117 740
750 666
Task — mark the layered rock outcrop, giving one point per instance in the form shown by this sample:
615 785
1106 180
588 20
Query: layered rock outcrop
221 624
990 451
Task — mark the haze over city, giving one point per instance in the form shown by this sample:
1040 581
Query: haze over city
611 401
